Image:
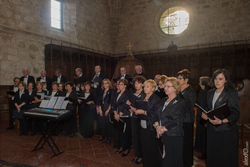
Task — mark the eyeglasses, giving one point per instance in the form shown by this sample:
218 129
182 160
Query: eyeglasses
168 86
179 78
121 84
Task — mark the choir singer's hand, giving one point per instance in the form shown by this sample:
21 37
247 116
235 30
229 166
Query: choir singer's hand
139 111
216 121
117 117
204 116
128 103
160 130
79 101
106 112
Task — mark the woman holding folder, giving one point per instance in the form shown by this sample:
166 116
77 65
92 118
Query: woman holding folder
222 133
147 116
169 124
121 112
138 95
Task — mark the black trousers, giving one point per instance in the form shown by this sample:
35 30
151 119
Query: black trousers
126 136
150 152
24 125
173 150
222 149
188 150
200 137
136 137
11 107
71 124
88 122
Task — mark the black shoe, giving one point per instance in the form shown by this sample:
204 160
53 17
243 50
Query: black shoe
10 127
101 138
104 141
32 133
109 141
127 152
133 160
137 162
72 135
119 151
22 133
26 133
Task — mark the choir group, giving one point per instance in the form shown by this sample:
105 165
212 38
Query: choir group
159 110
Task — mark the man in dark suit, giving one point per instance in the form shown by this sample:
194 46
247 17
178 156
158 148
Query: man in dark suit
123 72
80 78
11 102
97 76
58 77
44 78
27 78
138 71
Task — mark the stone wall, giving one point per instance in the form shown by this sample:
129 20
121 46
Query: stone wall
25 29
212 21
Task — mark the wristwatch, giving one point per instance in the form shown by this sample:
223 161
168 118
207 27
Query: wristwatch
222 122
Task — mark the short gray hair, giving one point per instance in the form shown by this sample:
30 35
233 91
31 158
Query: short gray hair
58 71
79 70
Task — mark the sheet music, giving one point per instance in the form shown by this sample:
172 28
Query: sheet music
59 102
44 104
52 102
64 105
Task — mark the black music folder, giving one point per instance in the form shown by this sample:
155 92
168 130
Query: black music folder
10 92
220 112
120 125
161 147
144 106
96 79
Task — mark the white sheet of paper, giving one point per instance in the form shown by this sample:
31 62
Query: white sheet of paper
52 102
44 103
64 105
59 102
144 124
41 94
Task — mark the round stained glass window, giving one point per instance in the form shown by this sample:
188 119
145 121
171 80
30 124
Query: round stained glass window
174 20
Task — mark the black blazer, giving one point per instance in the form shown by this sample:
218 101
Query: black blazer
72 98
134 98
189 95
172 116
160 93
24 98
81 79
102 76
121 105
63 79
30 79
106 102
142 74
231 97
153 106
58 93
48 82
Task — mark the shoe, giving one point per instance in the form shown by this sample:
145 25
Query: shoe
104 141
133 160
119 151
32 133
10 127
109 141
101 138
72 135
22 133
127 152
137 162
26 133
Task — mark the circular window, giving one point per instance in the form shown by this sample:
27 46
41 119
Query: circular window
174 20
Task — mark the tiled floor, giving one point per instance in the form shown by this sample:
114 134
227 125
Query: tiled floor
77 151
